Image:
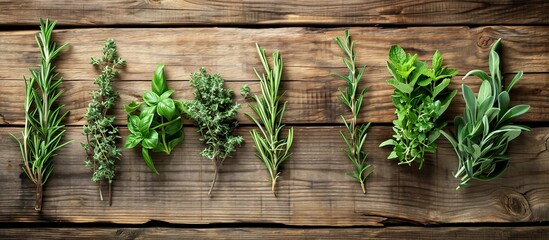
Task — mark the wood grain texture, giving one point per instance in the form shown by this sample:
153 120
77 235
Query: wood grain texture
310 54
419 233
311 103
313 189
309 12
310 58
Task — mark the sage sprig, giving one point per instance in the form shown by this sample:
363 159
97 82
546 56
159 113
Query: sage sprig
155 123
215 114
100 132
272 149
43 129
420 98
352 97
486 129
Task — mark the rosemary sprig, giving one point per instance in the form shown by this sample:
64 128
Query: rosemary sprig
270 147
215 114
100 132
485 130
352 97
43 129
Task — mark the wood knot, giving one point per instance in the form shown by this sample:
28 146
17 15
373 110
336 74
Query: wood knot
128 233
485 41
517 205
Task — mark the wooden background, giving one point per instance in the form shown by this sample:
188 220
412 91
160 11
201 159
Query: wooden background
315 198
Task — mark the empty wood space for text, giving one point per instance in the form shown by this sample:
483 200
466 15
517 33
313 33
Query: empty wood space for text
304 12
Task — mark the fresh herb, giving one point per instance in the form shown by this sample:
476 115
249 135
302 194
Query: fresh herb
101 134
156 122
214 112
485 130
43 130
352 97
420 97
272 149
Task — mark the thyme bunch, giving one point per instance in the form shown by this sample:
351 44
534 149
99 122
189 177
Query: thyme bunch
352 97
215 114
420 97
100 132
155 123
485 130
272 149
43 129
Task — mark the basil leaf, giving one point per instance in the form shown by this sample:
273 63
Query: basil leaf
159 84
150 140
166 108
133 124
132 140
148 160
132 107
151 98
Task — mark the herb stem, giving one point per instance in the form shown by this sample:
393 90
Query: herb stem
167 123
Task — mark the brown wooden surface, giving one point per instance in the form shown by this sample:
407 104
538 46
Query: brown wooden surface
310 58
419 233
313 189
308 12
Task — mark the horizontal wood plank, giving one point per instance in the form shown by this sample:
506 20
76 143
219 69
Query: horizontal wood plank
313 189
420 233
233 12
310 54
314 102
310 58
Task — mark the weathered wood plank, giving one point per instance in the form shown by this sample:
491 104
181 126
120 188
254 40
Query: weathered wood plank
313 189
310 54
314 102
420 233
325 12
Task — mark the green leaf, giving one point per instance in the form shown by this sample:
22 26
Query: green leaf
484 92
148 160
132 140
503 102
132 107
151 98
441 86
437 61
166 94
514 112
166 108
389 142
514 81
145 123
479 73
150 140
159 84
397 54
405 88
469 97
133 124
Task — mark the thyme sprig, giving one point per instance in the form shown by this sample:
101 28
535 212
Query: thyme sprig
43 129
215 114
100 132
485 130
352 97
272 149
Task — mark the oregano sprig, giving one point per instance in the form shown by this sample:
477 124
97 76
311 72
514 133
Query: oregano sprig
101 134
420 98
271 148
43 129
215 114
485 130
352 97
155 123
